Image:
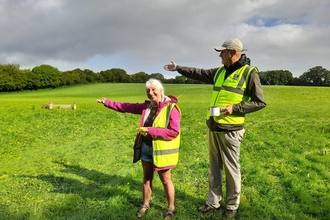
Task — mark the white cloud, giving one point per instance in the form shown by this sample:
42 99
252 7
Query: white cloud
44 5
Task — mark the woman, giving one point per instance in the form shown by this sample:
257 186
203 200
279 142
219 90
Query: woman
157 141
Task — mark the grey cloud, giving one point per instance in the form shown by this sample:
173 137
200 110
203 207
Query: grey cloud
152 33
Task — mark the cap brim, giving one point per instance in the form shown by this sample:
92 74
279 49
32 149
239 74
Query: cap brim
219 49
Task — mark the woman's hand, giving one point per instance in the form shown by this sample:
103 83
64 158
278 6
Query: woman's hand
143 130
102 100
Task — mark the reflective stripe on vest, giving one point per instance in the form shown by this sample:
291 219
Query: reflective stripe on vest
229 91
165 153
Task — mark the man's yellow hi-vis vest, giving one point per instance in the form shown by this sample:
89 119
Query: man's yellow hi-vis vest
165 153
230 91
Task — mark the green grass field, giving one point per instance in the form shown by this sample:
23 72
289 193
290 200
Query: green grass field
77 164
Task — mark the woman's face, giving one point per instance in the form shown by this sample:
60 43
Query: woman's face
154 94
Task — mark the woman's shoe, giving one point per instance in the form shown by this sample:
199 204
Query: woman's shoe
142 211
169 214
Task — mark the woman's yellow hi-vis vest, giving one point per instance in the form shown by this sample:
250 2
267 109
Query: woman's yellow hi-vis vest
230 91
165 153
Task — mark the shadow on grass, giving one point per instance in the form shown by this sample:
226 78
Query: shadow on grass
5 213
93 183
100 188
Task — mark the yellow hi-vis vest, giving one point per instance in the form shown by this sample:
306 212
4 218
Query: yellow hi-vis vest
230 91
165 153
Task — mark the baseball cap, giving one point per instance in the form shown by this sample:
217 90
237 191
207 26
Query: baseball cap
231 44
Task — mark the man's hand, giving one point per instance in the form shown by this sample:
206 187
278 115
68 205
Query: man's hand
228 110
171 67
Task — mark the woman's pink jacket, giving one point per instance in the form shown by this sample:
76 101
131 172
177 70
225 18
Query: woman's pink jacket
169 133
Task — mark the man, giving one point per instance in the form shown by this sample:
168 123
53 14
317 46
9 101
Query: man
237 91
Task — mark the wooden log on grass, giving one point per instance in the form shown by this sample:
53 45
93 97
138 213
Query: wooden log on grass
59 106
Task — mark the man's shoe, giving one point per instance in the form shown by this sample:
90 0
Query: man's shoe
206 208
230 213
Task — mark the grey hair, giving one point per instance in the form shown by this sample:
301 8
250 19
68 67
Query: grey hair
156 83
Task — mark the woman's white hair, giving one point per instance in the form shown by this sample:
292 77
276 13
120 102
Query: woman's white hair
156 83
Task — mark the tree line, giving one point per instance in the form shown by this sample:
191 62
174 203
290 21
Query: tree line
12 78
316 76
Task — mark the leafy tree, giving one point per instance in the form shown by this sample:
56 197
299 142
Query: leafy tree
83 76
114 75
49 76
140 77
296 81
12 78
327 78
275 77
265 78
106 76
99 77
80 75
69 78
120 75
316 76
158 76
6 78
192 81
32 80
180 79
90 76
169 81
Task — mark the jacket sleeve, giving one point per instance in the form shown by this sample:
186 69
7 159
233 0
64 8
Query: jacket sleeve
203 75
256 94
134 108
172 130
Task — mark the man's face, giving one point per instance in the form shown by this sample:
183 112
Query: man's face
226 56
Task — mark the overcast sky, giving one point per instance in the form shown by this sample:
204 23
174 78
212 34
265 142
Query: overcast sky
144 35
